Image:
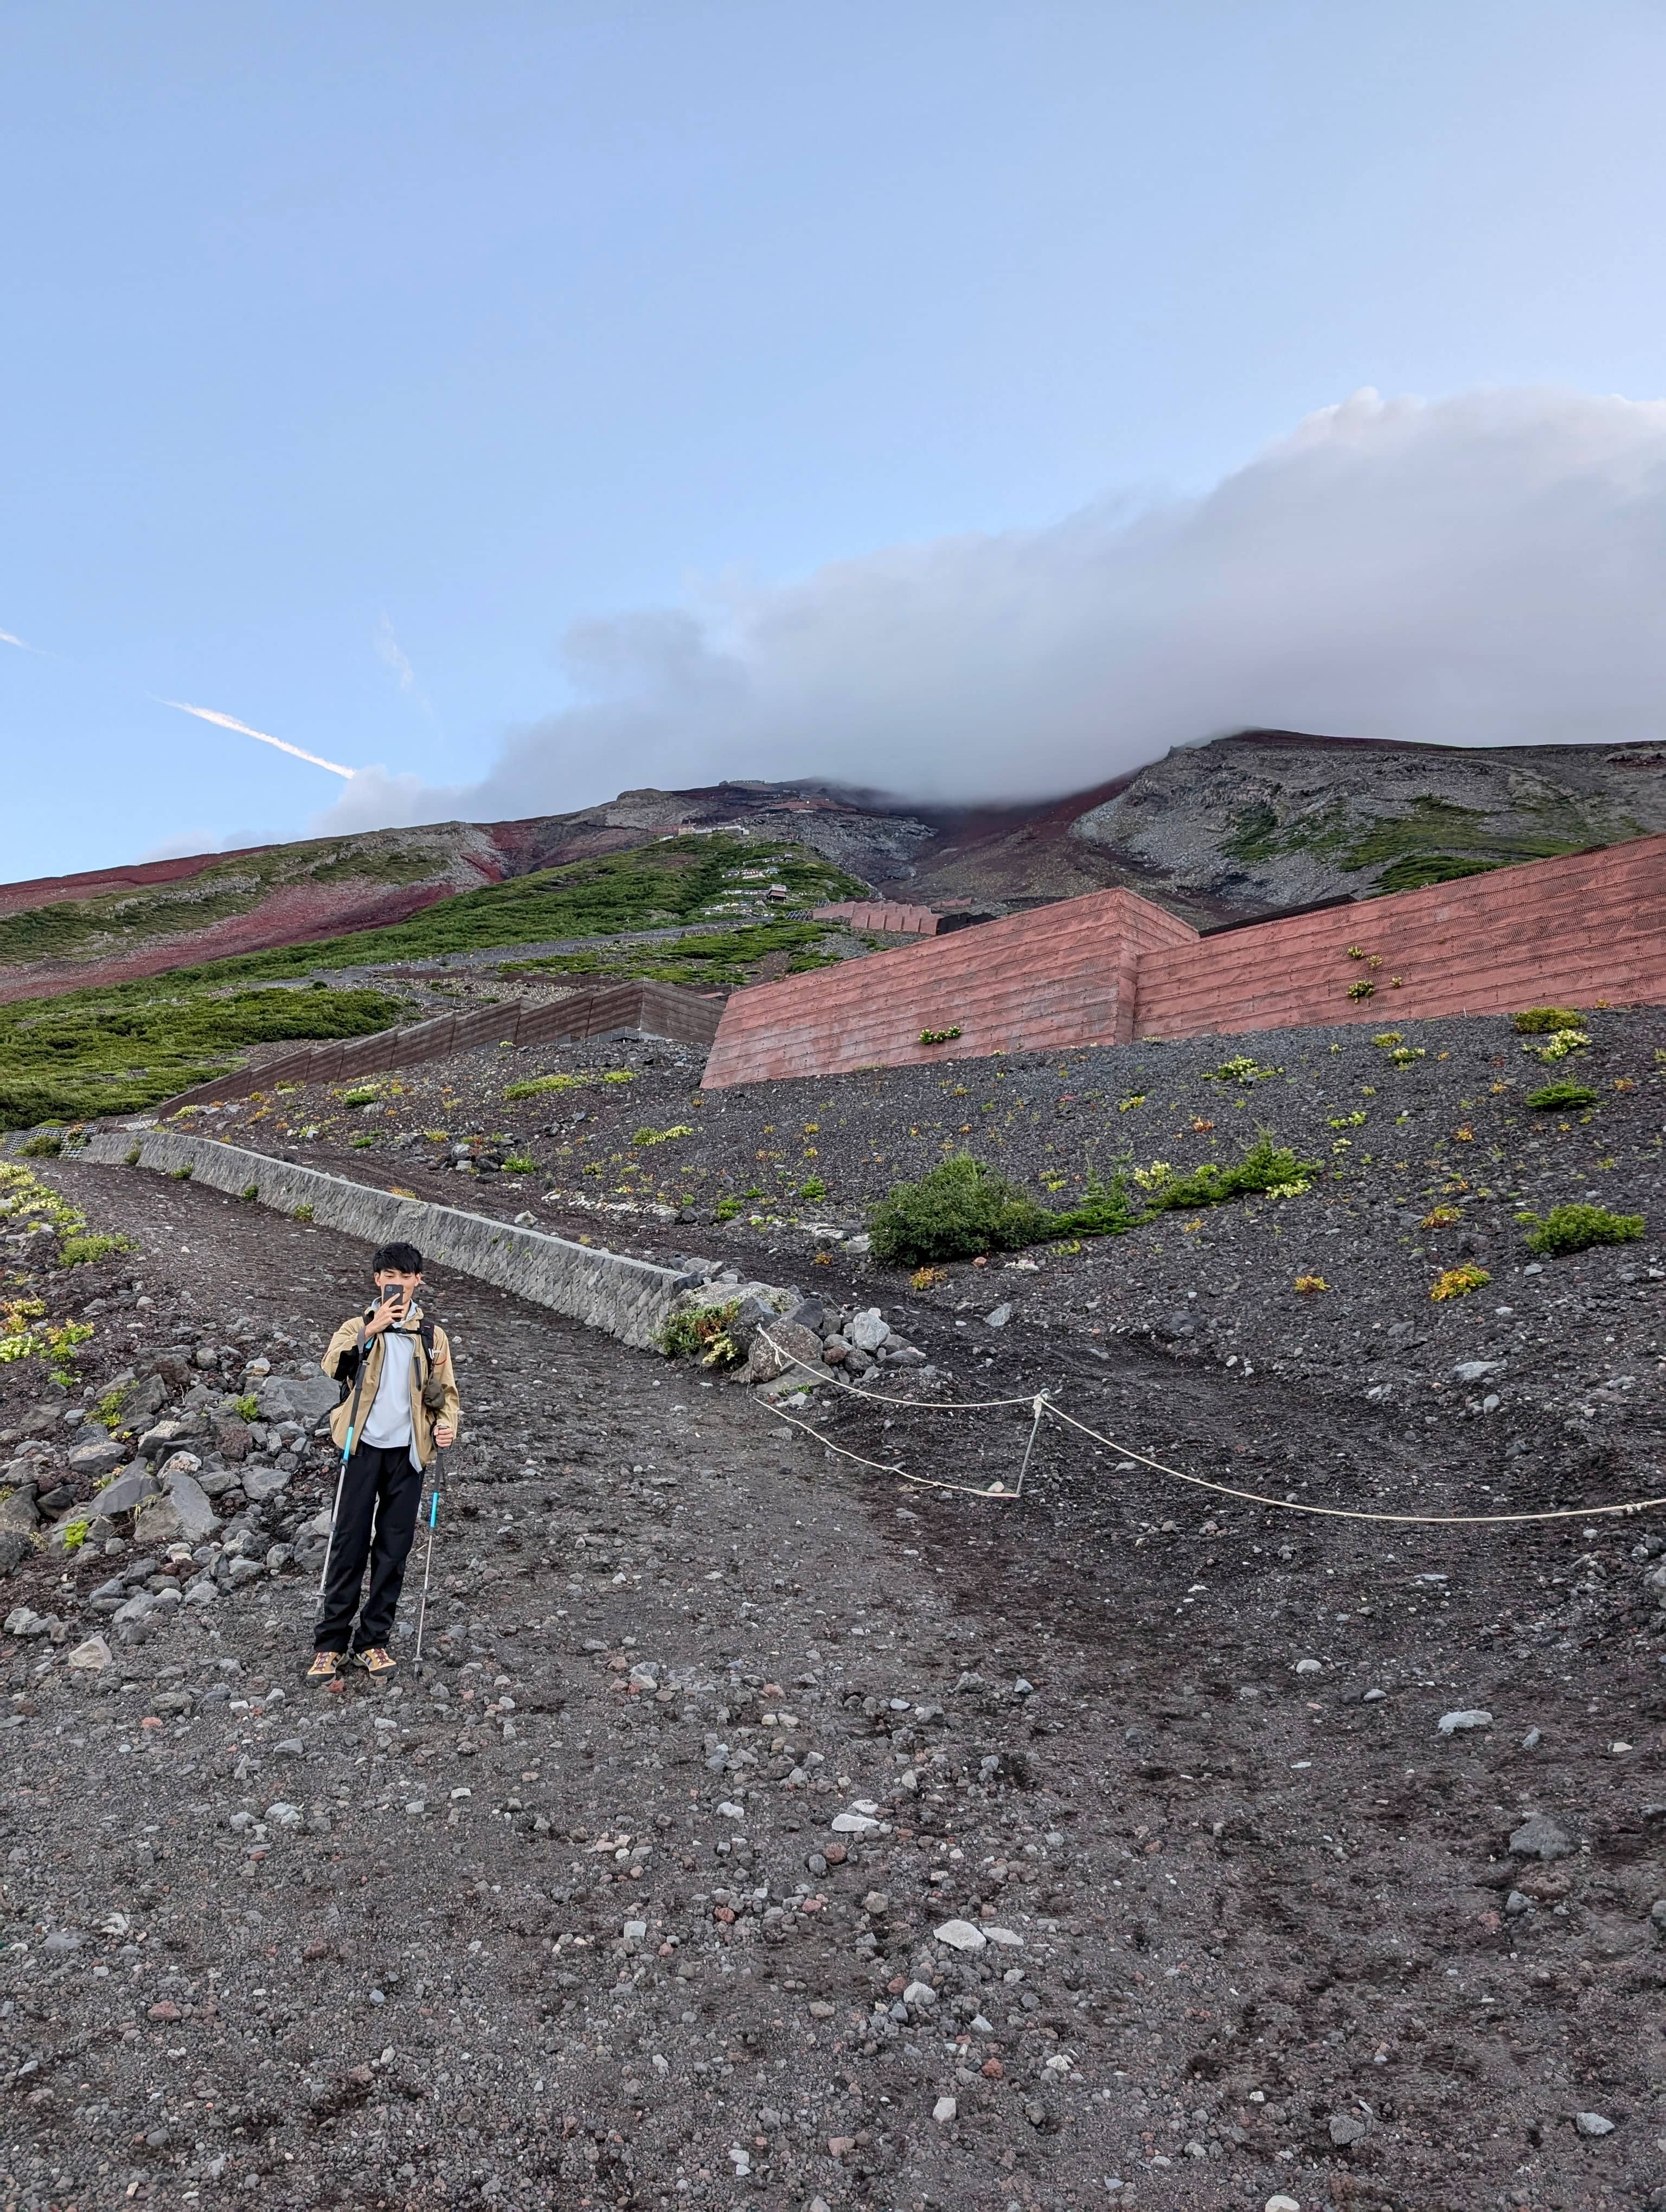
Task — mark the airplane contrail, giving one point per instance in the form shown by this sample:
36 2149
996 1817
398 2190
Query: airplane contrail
230 723
22 643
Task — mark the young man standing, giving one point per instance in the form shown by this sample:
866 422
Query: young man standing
400 1401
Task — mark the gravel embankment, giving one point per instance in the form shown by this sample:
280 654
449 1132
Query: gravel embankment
765 1832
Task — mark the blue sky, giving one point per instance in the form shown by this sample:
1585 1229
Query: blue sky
355 357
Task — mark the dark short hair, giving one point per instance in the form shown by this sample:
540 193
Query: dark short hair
400 1258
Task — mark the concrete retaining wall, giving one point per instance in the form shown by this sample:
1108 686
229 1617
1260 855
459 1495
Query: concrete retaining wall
631 1299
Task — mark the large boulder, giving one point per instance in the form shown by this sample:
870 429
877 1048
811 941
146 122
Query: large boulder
19 1510
101 1456
181 1514
303 1397
14 1548
128 1489
788 1342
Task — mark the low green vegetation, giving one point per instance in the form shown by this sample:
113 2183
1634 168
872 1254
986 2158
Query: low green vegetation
1432 841
125 1048
718 960
247 1408
701 1333
82 1251
962 1208
1567 1229
1551 1096
1545 1021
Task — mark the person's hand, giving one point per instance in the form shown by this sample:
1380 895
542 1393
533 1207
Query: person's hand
386 1316
444 1434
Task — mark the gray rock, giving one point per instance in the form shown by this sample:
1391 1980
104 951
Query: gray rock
1593 2123
810 1313
961 1935
97 1459
14 1548
177 1464
1515 1904
156 1443
859 1244
303 1397
260 1483
1657 1913
788 1342
1539 1837
182 1515
20 1510
866 1331
1347 2127
1472 1370
243 1570
1472 1718
130 1487
999 1316
24 1620
1532 1740
92 1657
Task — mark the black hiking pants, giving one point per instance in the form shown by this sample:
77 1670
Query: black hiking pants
380 1502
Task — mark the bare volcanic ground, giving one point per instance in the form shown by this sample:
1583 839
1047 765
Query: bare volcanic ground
637 1899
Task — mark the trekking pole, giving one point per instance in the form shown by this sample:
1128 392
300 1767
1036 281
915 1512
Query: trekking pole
341 1477
427 1562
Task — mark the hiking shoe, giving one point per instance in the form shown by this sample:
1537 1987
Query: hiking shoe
326 1667
377 1661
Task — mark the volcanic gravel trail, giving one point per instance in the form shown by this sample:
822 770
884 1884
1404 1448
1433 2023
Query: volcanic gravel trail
582 1929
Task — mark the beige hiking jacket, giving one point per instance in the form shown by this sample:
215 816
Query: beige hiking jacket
340 1360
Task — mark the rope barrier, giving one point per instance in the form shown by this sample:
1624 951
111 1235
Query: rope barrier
1043 1407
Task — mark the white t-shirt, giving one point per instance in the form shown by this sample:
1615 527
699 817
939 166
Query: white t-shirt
388 1422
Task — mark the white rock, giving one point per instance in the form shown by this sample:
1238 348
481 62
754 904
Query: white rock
636 1930
920 1993
1310 1667
1593 2123
1005 1936
282 1815
94 1654
866 1331
944 2111
1282 2204
853 1824
998 1317
1450 1723
961 1935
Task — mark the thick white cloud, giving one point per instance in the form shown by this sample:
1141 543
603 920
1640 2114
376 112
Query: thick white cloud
1486 569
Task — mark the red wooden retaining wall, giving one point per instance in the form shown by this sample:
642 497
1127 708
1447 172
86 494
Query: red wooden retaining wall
1063 974
1110 967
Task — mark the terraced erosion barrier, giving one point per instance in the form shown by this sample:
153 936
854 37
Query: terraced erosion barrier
631 1299
657 1010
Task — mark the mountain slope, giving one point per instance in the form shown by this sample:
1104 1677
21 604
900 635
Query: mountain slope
1244 825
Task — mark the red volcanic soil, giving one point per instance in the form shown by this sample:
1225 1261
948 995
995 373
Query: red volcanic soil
298 913
46 890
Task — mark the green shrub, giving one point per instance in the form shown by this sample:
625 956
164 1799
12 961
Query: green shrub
957 1209
133 1154
250 1190
1544 1021
367 1095
303 1214
1239 1069
535 1084
43 1147
701 1333
1577 1228
360 1144
74 1535
180 1175
247 1407
813 1187
726 1209
662 1136
81 1251
520 1164
961 1207
940 1036
1553 1094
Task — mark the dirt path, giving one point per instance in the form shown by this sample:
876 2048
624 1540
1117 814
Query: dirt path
581 1931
